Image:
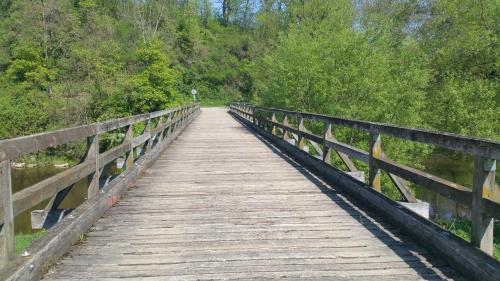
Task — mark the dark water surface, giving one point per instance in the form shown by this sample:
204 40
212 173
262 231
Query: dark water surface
458 170
22 178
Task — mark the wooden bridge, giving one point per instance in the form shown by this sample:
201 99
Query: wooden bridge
250 195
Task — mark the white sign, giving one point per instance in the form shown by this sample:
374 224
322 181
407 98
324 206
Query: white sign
193 92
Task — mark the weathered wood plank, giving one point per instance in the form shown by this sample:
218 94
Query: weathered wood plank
484 147
29 197
13 148
7 232
468 260
58 239
482 225
222 204
16 147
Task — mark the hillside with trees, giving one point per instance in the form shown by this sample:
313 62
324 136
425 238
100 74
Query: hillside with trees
431 64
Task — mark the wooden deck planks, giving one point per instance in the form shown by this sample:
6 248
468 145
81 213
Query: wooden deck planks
222 204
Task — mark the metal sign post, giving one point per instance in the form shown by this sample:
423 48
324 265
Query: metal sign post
193 92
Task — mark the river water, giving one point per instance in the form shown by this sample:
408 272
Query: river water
455 169
22 178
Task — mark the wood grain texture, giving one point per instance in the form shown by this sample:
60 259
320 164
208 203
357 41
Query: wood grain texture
58 240
464 257
446 188
473 145
221 203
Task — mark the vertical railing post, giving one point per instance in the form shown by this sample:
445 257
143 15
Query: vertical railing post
173 116
273 118
183 116
256 118
327 151
159 136
149 144
300 139
93 157
175 120
172 122
285 124
375 152
169 122
8 239
482 224
179 118
129 156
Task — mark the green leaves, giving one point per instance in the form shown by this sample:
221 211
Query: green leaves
424 64
153 86
28 70
325 66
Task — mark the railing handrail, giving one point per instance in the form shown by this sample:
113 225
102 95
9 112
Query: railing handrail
485 153
153 139
474 145
12 148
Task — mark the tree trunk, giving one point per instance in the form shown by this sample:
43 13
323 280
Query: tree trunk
225 11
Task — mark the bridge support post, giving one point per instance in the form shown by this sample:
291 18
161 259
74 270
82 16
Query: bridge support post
176 122
129 156
183 116
483 182
169 129
159 136
375 152
285 124
93 155
149 143
8 240
300 141
327 152
273 118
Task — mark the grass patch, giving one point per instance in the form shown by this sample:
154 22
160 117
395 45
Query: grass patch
462 228
44 159
23 241
83 237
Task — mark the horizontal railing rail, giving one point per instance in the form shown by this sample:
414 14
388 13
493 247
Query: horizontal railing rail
485 153
158 128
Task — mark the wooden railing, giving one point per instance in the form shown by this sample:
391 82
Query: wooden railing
160 128
485 153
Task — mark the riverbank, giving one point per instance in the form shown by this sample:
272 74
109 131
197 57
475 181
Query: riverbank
43 160
462 228
23 241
